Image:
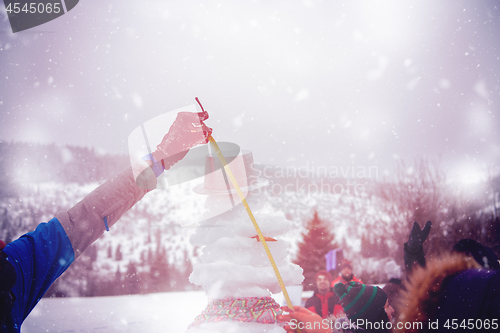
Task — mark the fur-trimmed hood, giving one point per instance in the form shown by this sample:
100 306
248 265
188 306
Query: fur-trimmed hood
432 292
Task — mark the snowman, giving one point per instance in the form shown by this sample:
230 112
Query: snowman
234 268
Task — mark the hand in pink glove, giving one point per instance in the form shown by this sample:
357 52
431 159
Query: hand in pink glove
187 131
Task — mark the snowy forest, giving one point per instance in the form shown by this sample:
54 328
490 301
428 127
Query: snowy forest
359 118
148 250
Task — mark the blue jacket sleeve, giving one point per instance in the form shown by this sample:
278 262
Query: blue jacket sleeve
39 258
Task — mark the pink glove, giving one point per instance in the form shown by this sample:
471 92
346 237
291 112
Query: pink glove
187 131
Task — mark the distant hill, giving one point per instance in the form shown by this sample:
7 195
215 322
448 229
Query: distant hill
149 251
24 163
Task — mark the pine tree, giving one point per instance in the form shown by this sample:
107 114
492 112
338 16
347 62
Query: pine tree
315 244
118 253
132 283
118 286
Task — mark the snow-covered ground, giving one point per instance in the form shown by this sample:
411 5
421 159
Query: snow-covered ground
161 312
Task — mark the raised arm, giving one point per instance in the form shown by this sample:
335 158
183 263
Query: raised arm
38 258
103 207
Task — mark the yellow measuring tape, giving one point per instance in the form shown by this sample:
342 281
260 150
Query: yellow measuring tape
256 226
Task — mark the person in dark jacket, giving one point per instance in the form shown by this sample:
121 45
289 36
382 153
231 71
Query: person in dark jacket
450 294
345 275
324 301
458 292
30 264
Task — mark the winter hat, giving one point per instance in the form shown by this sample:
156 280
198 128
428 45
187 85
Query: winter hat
324 273
361 301
345 263
482 254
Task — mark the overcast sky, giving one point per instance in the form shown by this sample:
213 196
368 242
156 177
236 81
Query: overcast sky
318 83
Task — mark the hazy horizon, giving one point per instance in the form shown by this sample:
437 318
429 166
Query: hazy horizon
344 84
